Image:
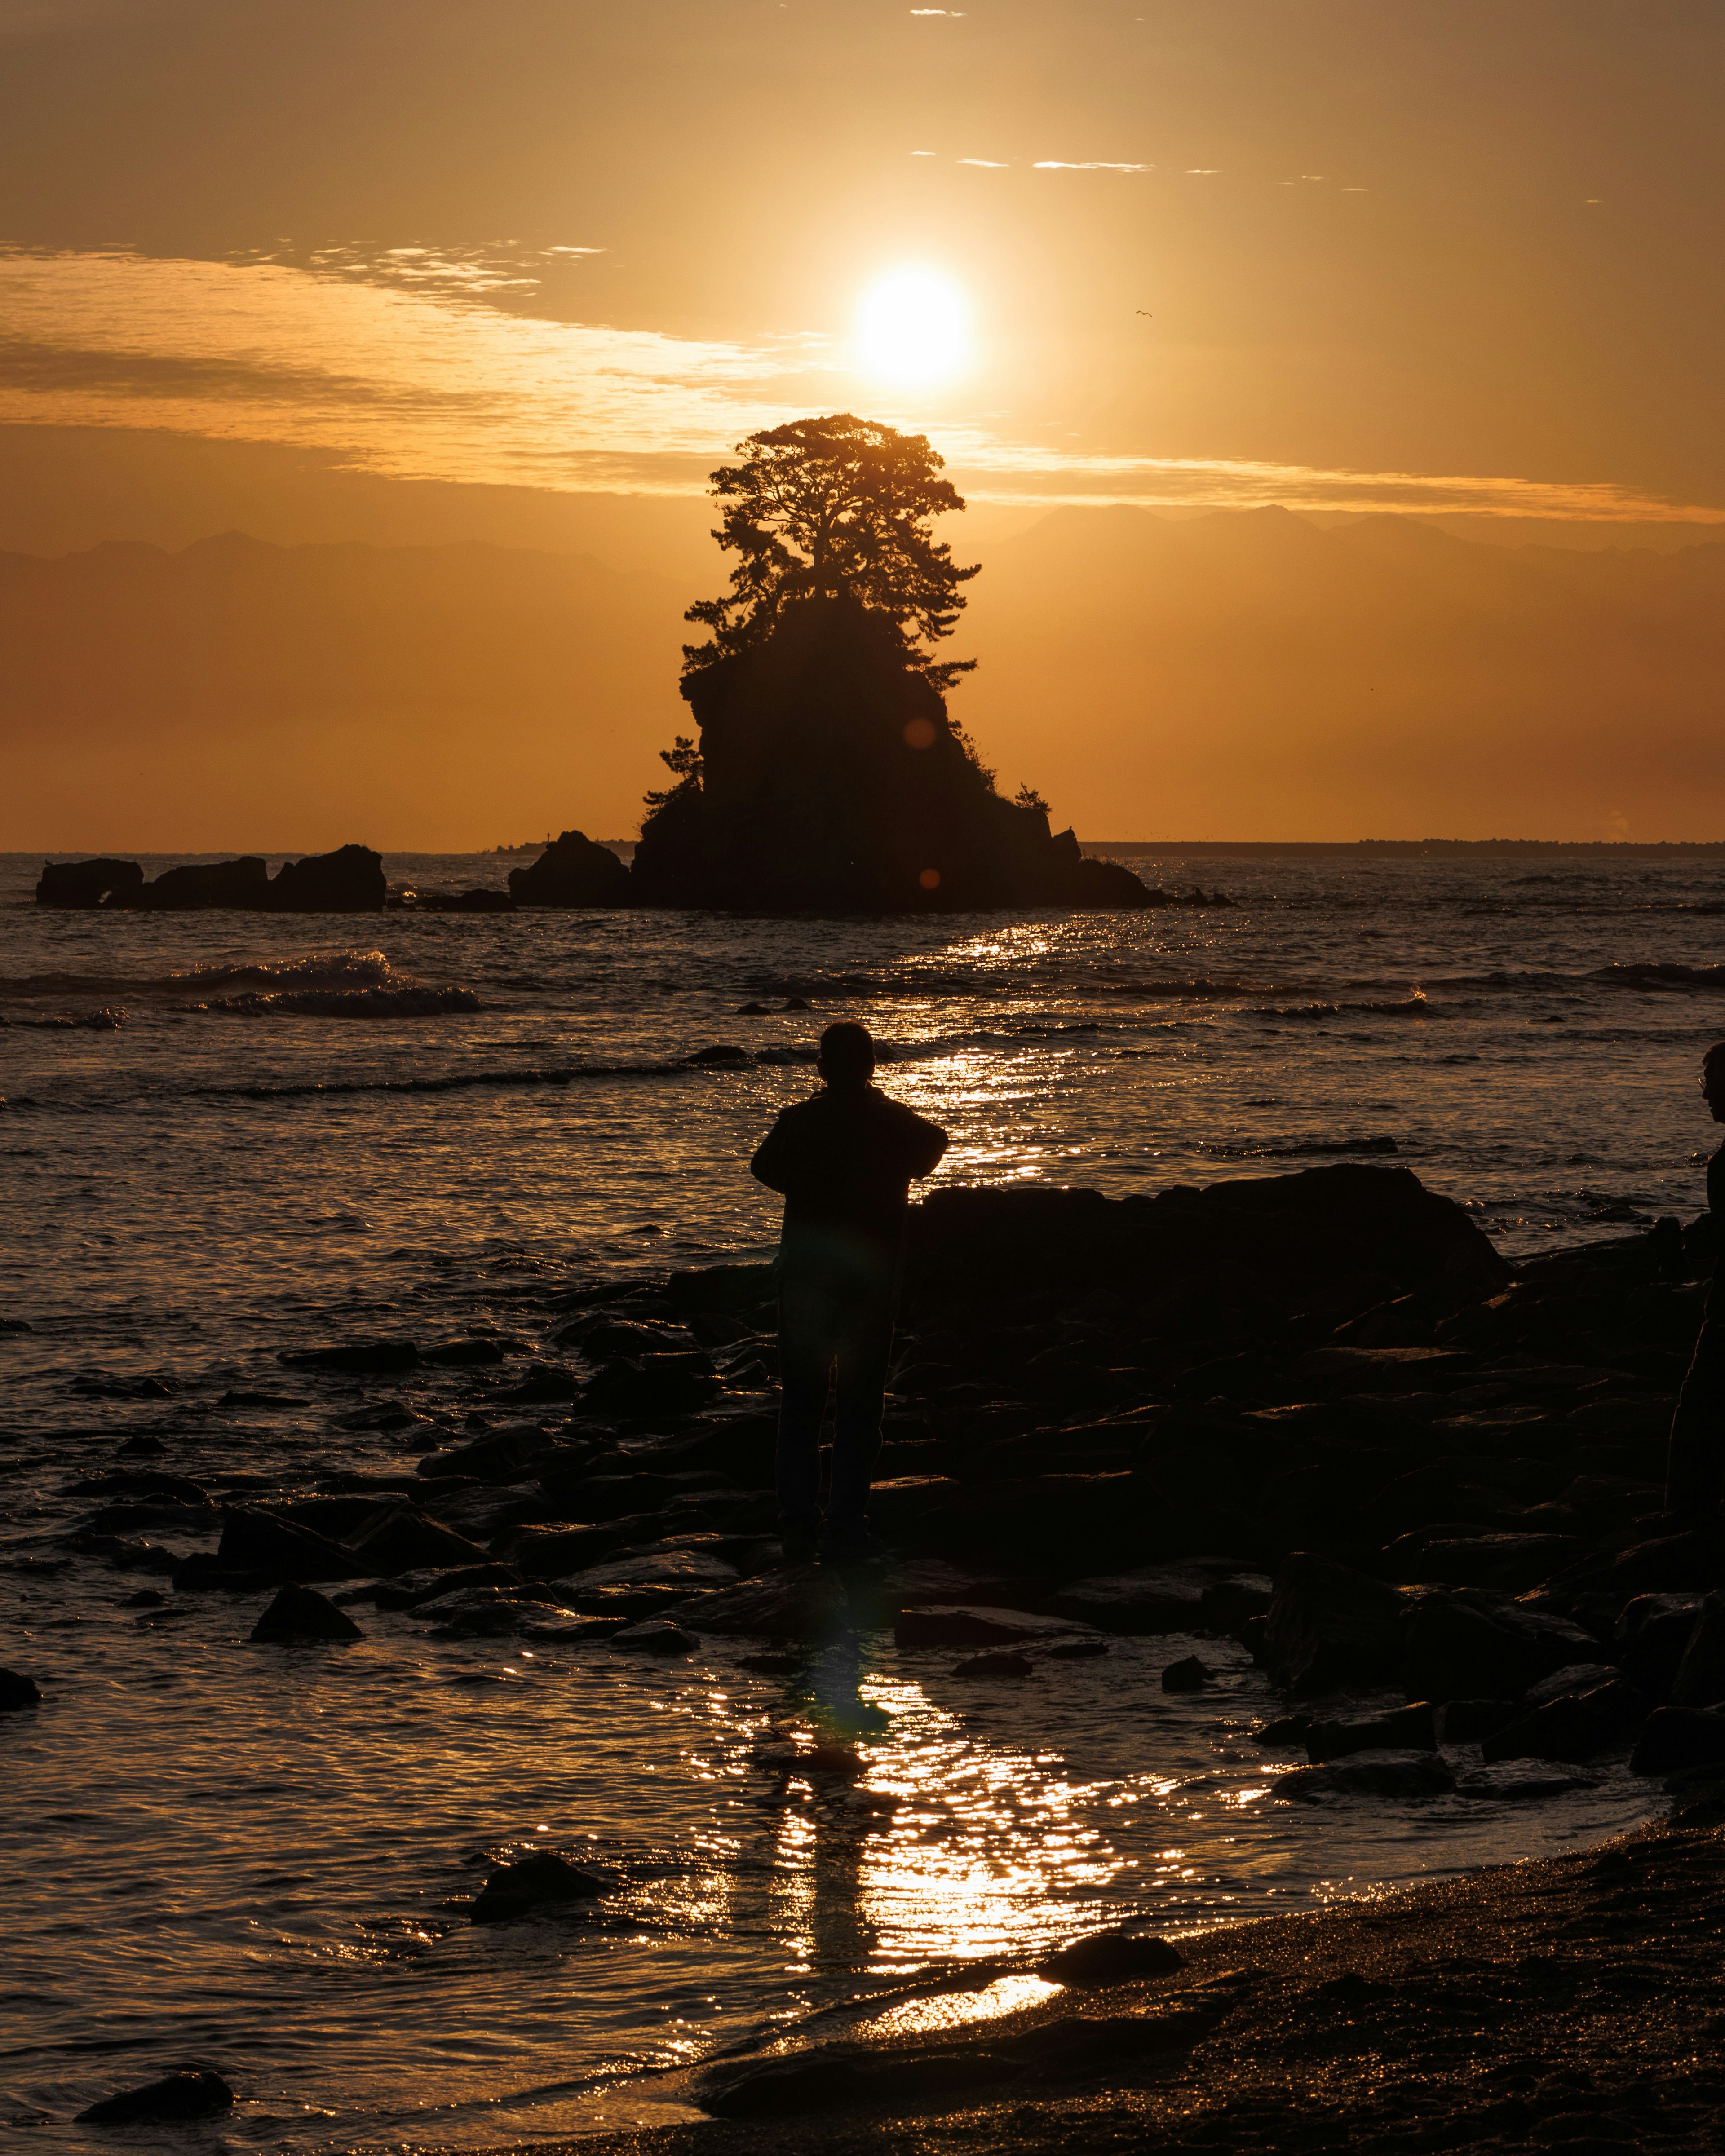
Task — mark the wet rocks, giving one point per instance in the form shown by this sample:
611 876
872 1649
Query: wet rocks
192 2092
653 1385
1192 1594
300 1613
17 1691
241 884
1700 1678
1111 1958
531 1884
498 1456
573 871
950 1627
1569 1728
403 1538
1407 1729
804 1602
258 1542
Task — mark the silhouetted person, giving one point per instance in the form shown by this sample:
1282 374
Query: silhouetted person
844 1161
1695 1466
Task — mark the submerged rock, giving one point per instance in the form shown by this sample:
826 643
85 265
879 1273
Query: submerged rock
300 1613
192 2092
1402 1776
17 1691
1111 1958
997 1665
535 1882
1190 1674
357 1355
255 1541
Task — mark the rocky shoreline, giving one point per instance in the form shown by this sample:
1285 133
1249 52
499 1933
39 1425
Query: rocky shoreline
1316 1414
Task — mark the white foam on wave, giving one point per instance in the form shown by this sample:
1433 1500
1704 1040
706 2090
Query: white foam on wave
335 971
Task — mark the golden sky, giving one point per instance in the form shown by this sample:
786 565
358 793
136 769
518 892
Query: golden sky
412 272
1388 255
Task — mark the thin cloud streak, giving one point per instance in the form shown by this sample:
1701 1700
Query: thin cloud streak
434 383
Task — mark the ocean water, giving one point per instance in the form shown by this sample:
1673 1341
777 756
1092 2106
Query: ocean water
229 1136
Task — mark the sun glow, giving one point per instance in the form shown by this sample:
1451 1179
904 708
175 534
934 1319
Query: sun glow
912 327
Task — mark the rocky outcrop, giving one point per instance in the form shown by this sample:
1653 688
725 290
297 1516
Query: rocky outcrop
192 2092
87 883
349 880
832 778
572 871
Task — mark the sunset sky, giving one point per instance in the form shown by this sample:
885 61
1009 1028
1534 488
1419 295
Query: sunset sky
1326 253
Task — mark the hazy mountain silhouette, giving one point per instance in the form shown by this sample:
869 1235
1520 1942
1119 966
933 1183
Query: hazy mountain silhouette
1243 675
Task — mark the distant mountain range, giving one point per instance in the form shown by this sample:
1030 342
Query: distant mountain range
1243 675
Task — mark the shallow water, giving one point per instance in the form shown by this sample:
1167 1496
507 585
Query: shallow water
239 1854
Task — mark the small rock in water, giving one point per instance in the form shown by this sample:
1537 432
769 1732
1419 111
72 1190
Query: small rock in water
1190 1674
657 1635
360 1355
1001 1665
192 2092
1111 1958
1074 1650
16 1690
140 1448
536 1882
300 1613
771 1665
725 1052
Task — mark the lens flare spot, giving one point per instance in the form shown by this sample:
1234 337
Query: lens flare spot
930 878
920 733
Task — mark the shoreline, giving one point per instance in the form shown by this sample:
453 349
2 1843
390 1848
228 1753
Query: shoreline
1566 2001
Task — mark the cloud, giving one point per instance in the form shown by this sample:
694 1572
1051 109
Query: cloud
416 380
925 153
989 164
1088 165
1201 171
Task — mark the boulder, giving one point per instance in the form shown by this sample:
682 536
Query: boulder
500 1456
1513 1563
87 883
534 1883
950 1627
652 1385
572 871
257 1542
1568 1728
1467 1721
1700 1681
1679 1737
17 1691
349 880
1404 1776
1454 1648
192 2092
467 1354
1111 1958
300 1613
1331 1626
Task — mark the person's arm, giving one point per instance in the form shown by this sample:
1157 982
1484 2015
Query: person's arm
774 1162
927 1143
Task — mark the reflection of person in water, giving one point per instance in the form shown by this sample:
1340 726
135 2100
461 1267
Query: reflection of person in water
1695 1462
844 1162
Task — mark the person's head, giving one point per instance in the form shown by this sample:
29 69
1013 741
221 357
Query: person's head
847 1055
1712 1080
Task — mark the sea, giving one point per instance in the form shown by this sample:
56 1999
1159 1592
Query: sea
228 1136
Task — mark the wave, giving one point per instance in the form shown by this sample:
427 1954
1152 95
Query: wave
342 1003
315 970
453 1081
108 1019
1412 1006
1306 1146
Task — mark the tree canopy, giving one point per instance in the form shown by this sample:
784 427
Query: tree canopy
839 506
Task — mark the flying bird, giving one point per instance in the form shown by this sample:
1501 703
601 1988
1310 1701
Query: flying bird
1145 310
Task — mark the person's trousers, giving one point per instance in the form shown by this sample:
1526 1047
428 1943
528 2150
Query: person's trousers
1695 1463
821 1333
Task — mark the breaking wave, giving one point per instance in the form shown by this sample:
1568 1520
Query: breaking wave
318 970
342 1003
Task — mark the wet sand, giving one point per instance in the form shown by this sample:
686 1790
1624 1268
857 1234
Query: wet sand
1573 2002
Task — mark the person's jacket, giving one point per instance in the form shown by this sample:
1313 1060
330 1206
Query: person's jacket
844 1161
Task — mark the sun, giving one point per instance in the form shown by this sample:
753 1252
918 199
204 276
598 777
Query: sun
913 327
